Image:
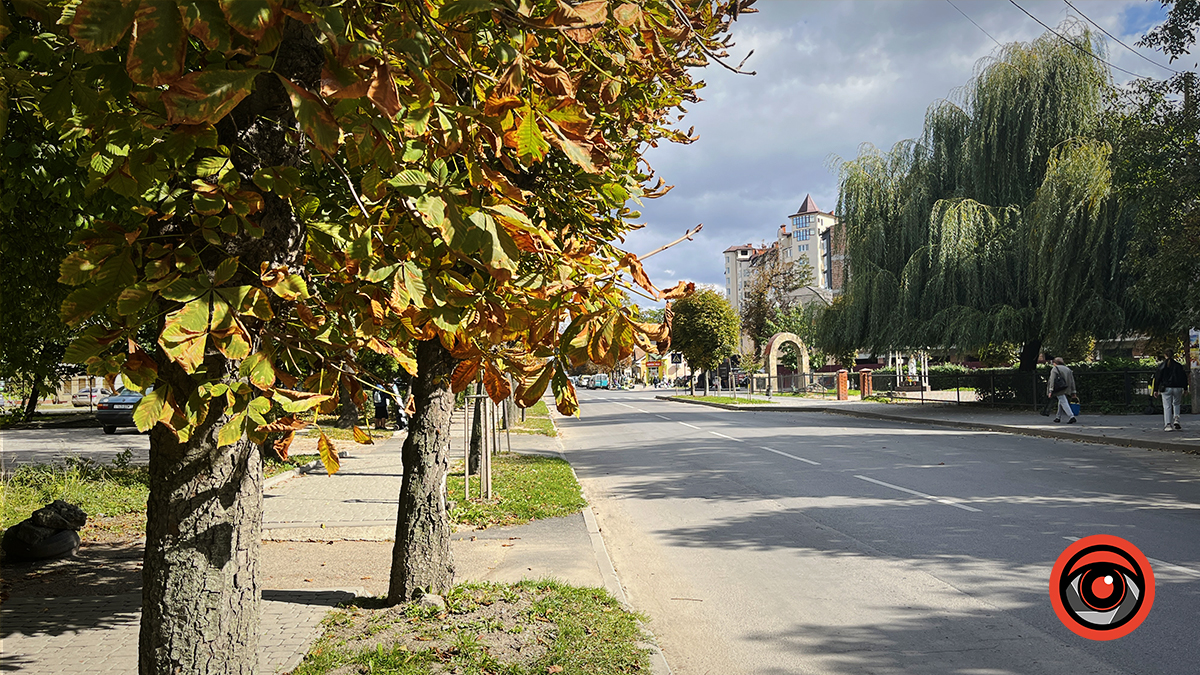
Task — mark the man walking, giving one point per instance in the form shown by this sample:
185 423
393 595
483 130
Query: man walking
1170 381
1061 385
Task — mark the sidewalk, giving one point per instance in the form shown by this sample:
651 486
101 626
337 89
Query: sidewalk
1135 431
326 539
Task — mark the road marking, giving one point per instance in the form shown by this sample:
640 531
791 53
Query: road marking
940 500
662 417
626 405
717 433
1158 563
642 411
690 426
791 456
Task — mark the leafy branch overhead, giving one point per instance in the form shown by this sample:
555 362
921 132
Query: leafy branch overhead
460 172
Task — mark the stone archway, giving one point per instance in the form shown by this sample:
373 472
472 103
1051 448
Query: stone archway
774 348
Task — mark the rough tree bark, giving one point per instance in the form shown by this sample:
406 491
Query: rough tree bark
201 593
31 404
421 558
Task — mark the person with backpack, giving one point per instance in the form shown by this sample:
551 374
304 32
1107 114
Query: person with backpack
379 397
1170 381
1060 386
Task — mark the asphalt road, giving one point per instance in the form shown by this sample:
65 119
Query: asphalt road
40 446
816 543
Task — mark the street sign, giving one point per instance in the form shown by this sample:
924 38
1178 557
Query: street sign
653 364
677 358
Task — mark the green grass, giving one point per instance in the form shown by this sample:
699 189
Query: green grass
537 421
338 434
524 488
113 496
487 629
272 467
727 399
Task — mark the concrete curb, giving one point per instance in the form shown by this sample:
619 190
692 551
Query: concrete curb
612 584
1147 444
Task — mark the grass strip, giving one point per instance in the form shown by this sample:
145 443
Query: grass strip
537 421
274 467
113 496
727 399
485 628
524 488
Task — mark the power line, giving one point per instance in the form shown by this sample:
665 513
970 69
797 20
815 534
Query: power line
975 24
1118 40
1072 42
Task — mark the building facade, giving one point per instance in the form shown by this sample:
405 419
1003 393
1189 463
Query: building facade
810 236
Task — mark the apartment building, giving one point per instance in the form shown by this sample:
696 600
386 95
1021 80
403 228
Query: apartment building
809 236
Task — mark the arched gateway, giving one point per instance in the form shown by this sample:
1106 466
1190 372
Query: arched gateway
775 347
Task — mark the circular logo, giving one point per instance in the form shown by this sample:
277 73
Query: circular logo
1102 587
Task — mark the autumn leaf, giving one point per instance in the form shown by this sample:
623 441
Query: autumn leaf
250 17
314 118
464 375
631 262
679 290
329 454
158 46
527 139
530 390
565 398
496 383
100 24
207 95
289 423
362 437
281 446
149 410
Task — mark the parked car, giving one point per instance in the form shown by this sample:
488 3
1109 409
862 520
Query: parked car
88 396
117 410
599 381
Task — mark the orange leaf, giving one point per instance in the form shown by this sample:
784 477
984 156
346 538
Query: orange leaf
496 383
639 273
679 290
464 375
281 446
382 92
289 423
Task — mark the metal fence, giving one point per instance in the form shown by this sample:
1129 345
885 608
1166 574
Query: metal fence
1097 391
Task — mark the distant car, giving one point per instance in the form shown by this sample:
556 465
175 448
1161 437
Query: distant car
88 396
117 410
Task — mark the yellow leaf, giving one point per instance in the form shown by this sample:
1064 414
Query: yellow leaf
329 455
363 437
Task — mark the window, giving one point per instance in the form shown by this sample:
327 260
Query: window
796 220
787 253
804 234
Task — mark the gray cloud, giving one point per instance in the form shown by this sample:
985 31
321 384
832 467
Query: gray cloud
831 76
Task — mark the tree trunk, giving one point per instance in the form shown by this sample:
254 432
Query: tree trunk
476 455
706 376
1029 355
348 411
421 558
200 594
31 404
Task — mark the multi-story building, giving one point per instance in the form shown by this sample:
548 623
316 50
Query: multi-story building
809 237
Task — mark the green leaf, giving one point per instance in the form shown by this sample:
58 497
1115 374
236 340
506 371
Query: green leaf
291 287
150 409
225 271
75 269
191 318
250 17
133 300
213 166
259 370
530 143
231 432
158 46
207 95
564 393
314 118
456 9
185 290
100 24
208 205
204 20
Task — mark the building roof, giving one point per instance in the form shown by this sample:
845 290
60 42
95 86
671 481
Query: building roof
809 206
747 247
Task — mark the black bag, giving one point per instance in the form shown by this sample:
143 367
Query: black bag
1060 383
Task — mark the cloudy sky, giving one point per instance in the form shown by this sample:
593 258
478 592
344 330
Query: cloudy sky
831 76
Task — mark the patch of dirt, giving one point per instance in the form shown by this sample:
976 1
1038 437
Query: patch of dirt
502 626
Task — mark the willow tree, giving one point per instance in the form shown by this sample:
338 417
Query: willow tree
999 224
301 182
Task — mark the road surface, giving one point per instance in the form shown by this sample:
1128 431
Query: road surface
815 543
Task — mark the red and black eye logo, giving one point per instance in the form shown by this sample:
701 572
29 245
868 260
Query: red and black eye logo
1102 587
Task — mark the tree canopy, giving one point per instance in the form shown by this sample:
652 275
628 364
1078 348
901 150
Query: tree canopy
999 224
298 183
770 293
705 329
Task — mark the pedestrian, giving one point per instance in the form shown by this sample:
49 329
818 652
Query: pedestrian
381 408
1061 385
1170 381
